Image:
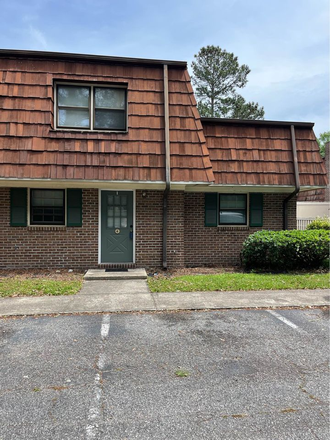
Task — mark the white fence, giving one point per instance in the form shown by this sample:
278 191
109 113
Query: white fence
303 222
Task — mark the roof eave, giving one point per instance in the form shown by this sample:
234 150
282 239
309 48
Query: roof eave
256 122
87 57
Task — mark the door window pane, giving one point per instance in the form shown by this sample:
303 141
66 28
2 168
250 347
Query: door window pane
117 212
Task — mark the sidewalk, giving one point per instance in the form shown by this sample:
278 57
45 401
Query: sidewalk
92 299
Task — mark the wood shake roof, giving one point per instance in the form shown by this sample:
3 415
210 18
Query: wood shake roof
31 148
206 151
260 153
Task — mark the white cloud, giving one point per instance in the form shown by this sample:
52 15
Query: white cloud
38 37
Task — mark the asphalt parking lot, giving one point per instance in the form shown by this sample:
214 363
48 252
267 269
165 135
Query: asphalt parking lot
251 374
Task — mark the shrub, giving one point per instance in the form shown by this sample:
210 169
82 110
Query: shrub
320 223
286 250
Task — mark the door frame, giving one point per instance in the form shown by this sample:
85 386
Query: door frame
99 226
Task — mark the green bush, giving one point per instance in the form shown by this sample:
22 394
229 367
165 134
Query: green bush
285 250
320 223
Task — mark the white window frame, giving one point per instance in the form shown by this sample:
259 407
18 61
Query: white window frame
91 106
247 224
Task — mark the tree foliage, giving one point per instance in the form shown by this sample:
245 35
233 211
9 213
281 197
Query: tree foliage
322 140
217 75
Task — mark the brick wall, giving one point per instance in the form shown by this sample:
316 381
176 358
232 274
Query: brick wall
190 243
46 247
211 246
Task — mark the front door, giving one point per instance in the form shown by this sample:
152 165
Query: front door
116 226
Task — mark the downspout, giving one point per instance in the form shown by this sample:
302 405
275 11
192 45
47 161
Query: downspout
167 166
296 177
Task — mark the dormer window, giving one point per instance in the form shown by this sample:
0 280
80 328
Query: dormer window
91 107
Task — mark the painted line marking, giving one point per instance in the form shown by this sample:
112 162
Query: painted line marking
105 326
281 318
94 413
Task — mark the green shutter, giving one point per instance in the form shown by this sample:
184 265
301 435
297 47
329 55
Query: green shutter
74 207
256 209
18 206
211 209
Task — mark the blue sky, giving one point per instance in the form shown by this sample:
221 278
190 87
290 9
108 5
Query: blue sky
284 42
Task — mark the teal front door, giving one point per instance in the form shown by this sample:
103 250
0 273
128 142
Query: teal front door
117 227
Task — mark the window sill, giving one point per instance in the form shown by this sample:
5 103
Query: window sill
233 227
73 130
46 227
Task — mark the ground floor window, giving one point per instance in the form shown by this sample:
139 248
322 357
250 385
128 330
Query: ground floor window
232 209
47 207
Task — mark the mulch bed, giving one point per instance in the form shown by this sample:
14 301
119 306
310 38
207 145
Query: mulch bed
170 273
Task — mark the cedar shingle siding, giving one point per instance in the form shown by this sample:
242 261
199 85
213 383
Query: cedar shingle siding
31 148
262 155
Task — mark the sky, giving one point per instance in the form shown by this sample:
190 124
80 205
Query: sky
284 42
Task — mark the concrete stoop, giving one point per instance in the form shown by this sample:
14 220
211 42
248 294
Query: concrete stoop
101 274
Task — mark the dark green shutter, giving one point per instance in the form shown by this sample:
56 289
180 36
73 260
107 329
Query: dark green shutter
211 209
18 206
256 209
74 207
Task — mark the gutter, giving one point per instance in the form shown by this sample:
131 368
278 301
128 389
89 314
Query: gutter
296 177
167 165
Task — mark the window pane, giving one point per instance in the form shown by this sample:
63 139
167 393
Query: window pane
124 222
117 222
109 98
72 96
110 222
47 198
232 201
73 118
110 119
233 217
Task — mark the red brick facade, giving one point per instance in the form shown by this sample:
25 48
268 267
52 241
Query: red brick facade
190 243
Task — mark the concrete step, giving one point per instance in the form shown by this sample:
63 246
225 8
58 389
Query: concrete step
101 274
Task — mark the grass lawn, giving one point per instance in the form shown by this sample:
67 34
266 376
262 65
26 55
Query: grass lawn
16 286
239 281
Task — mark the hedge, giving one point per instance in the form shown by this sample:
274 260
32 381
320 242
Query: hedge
320 223
286 250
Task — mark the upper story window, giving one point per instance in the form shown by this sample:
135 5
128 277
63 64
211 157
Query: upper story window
91 107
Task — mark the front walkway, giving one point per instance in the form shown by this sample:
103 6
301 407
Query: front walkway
134 295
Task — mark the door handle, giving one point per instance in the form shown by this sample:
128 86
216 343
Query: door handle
131 232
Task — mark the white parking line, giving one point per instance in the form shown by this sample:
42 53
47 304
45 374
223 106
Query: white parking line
105 326
281 318
94 413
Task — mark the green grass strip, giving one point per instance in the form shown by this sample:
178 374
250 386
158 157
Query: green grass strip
239 281
37 287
